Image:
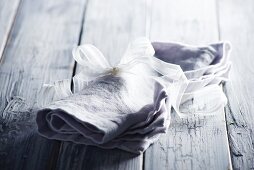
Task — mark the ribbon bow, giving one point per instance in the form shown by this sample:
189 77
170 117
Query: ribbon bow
140 51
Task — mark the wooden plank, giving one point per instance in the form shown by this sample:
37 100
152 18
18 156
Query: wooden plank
109 25
74 156
8 10
236 25
38 51
196 142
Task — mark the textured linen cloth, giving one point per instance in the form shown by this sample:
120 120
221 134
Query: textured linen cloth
204 66
128 106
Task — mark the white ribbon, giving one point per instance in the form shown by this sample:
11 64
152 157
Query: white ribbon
140 51
171 76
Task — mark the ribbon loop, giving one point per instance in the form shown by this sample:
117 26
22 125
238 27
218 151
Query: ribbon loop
180 90
171 76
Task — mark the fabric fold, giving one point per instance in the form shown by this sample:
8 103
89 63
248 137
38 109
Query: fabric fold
128 105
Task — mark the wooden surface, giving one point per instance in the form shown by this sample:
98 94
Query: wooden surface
8 10
36 38
240 90
110 30
38 51
195 143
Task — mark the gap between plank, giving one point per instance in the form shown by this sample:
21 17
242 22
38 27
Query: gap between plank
59 144
79 41
143 161
217 12
147 34
218 19
10 28
228 140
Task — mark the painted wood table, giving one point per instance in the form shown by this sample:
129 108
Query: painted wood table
36 39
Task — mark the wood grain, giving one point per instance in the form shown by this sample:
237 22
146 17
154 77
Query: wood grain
236 25
8 10
196 142
38 51
109 25
36 38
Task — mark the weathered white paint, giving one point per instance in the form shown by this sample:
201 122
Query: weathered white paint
8 10
38 51
236 25
109 25
193 143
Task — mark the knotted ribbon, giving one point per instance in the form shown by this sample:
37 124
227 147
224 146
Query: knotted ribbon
128 105
204 101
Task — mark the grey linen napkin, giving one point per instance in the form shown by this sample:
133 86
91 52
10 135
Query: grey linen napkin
129 112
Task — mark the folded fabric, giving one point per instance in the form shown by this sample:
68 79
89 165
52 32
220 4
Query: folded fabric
128 106
205 67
